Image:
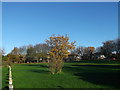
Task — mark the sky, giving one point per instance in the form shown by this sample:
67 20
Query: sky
0 24
87 23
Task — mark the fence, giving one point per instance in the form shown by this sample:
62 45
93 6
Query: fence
10 79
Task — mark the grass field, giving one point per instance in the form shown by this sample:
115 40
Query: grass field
4 77
83 74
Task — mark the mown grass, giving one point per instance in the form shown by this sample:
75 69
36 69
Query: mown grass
83 74
5 77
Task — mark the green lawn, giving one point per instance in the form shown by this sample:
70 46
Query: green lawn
4 77
84 74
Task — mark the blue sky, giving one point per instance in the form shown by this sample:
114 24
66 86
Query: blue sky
89 23
0 24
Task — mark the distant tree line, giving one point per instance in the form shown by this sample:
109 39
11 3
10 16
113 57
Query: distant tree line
110 49
42 52
28 54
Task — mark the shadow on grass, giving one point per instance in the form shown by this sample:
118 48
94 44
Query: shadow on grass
39 71
98 61
6 82
36 65
110 79
59 86
5 88
97 74
101 66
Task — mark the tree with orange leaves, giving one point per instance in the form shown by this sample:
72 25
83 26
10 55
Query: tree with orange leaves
59 50
91 49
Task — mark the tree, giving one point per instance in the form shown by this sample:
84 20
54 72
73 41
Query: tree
108 48
42 48
78 51
15 51
14 56
41 51
22 53
23 50
117 47
59 50
10 59
91 50
1 55
2 51
30 53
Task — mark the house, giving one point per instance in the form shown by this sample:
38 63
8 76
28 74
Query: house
101 57
72 57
